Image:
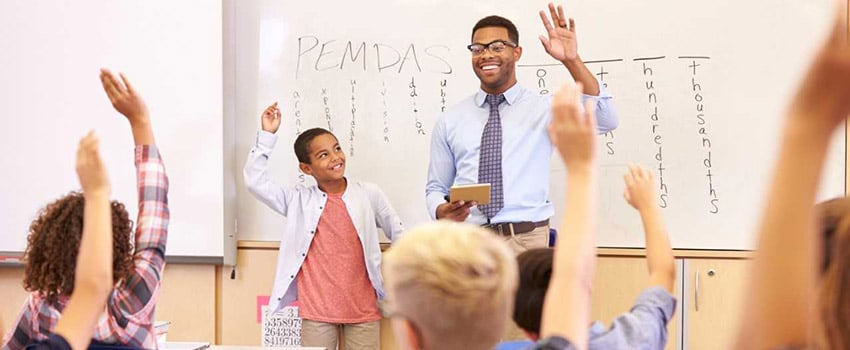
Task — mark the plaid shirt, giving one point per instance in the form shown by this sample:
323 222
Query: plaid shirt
130 308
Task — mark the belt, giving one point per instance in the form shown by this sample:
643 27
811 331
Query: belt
504 228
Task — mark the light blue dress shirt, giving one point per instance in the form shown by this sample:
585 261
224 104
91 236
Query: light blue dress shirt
526 151
302 206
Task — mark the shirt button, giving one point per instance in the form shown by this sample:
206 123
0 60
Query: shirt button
291 276
303 254
311 232
320 207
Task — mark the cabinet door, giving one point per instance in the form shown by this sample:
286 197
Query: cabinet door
714 291
618 282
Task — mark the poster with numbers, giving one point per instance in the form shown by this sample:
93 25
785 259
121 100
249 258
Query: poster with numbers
282 328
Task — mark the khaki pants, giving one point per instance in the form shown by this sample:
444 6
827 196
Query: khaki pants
538 238
357 335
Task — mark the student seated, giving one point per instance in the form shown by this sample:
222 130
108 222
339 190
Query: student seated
330 255
51 255
782 297
93 271
645 325
452 285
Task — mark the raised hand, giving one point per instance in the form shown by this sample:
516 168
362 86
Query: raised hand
573 130
823 99
90 169
271 118
561 42
124 97
640 188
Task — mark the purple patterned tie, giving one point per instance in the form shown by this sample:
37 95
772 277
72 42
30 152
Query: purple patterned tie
490 158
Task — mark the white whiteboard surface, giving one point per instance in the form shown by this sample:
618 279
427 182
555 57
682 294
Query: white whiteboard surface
751 55
51 95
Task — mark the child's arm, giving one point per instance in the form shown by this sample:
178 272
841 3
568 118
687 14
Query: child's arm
255 174
782 294
385 215
93 276
641 194
135 298
566 309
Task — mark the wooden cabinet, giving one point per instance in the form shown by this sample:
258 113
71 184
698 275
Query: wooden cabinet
714 292
709 291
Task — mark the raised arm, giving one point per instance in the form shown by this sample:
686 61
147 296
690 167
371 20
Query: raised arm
93 276
127 101
256 175
782 295
566 310
134 299
562 44
641 194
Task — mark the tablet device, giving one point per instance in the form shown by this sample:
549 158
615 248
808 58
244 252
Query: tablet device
472 192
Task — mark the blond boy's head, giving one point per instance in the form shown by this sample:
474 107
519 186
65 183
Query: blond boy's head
449 286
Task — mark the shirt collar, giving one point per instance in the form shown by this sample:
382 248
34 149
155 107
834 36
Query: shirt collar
511 95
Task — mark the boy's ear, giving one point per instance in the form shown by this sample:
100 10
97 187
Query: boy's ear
305 168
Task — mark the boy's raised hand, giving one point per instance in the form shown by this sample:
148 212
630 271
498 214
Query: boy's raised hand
640 187
573 129
124 97
271 118
90 170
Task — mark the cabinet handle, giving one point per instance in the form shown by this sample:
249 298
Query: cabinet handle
696 290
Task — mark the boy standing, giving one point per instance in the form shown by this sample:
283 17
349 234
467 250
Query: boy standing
330 255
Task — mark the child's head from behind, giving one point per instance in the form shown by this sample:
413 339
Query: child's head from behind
320 155
54 240
834 330
535 270
449 286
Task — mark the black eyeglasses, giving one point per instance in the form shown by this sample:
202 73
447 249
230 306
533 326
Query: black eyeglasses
495 46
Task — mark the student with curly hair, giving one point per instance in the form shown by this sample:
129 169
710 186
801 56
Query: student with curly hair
93 278
54 241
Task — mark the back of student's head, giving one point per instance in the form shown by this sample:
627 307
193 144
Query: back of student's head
834 330
54 239
535 270
302 143
454 282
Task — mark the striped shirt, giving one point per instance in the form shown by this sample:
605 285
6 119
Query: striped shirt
129 312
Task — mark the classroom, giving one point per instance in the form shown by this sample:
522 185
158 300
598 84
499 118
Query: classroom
687 95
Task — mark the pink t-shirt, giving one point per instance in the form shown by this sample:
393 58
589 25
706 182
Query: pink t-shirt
333 285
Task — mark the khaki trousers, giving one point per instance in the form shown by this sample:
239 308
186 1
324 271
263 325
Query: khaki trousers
357 336
538 238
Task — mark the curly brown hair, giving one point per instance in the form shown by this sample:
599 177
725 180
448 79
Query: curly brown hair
54 240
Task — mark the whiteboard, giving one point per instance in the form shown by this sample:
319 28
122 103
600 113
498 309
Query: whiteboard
378 72
51 95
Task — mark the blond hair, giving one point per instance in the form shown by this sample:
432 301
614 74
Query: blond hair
456 282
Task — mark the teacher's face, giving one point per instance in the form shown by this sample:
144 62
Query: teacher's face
495 70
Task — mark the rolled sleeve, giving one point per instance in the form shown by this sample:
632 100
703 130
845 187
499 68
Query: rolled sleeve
607 118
